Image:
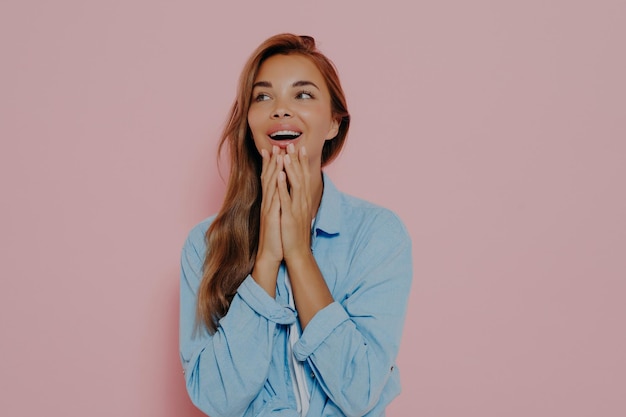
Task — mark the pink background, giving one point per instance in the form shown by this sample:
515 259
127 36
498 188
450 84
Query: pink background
497 132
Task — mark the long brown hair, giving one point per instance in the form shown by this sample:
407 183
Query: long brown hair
232 239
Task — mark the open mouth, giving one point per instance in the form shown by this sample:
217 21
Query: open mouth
285 135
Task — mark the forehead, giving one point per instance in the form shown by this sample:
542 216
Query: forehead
288 69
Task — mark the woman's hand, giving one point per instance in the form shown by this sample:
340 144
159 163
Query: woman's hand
310 292
295 204
270 249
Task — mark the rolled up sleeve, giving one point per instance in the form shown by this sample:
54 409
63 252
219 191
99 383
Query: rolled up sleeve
225 371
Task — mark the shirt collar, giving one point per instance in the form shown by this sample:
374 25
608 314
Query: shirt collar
328 217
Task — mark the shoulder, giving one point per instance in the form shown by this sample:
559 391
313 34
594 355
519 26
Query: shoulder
372 218
355 218
196 241
373 245
194 253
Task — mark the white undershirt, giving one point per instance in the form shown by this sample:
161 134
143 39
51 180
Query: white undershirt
300 388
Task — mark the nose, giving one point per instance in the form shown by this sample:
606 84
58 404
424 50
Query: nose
281 110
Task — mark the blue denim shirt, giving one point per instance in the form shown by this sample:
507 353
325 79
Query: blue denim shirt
348 349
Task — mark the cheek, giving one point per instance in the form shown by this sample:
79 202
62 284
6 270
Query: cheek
254 125
252 120
257 115
320 116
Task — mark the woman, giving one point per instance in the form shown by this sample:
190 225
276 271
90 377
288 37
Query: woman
293 296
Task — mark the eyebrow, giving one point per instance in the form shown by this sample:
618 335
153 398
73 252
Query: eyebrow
301 83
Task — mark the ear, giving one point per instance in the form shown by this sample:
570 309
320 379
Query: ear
334 129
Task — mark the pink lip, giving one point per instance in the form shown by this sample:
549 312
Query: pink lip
282 144
283 126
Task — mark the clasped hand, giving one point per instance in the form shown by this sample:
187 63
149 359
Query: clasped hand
285 229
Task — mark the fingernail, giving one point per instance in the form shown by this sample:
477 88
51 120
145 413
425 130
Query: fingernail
303 151
263 153
290 147
274 149
287 159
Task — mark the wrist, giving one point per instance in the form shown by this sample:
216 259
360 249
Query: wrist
300 258
264 272
266 263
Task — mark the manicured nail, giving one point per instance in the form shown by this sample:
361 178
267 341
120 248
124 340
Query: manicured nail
287 158
303 151
291 148
263 153
274 149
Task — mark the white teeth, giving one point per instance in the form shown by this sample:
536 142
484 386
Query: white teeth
285 132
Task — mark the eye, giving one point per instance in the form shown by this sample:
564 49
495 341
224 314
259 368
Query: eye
304 95
261 97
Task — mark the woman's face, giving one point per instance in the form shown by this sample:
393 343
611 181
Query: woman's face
291 104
